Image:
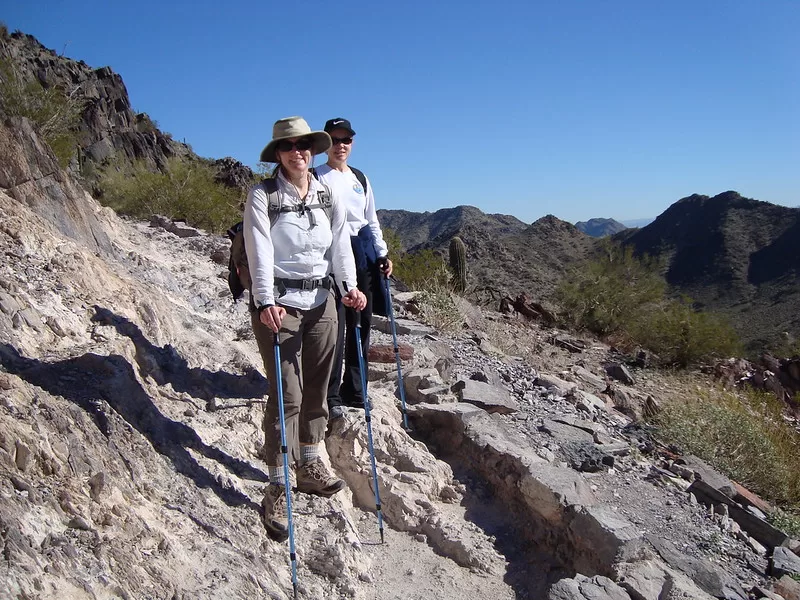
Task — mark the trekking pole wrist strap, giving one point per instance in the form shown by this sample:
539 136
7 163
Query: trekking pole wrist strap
263 307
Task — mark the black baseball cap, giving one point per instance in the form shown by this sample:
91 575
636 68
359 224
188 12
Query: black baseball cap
338 123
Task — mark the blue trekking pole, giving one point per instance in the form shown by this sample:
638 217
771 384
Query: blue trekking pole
284 451
368 418
390 312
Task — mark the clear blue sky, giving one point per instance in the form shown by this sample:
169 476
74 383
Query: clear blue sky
582 108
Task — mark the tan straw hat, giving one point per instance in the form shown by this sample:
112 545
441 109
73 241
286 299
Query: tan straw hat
293 127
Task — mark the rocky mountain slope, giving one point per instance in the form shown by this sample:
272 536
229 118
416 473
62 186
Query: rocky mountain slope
505 256
600 227
108 125
732 254
131 398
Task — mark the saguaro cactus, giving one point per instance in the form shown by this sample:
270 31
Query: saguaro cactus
458 264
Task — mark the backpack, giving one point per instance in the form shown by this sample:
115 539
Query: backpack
239 278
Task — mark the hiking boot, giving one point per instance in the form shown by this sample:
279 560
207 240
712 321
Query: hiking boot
314 478
275 515
336 412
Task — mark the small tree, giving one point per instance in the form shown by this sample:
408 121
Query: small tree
605 293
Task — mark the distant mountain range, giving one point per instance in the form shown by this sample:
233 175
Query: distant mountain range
600 227
730 254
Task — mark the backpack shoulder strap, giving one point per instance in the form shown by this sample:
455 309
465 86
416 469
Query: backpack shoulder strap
274 201
326 200
362 179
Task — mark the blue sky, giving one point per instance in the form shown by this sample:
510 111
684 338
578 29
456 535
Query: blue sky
580 109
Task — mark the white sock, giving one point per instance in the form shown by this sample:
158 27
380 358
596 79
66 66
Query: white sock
276 475
309 452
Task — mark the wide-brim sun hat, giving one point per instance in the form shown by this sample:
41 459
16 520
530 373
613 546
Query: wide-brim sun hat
294 127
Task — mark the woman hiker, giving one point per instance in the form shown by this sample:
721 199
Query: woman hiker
296 237
372 264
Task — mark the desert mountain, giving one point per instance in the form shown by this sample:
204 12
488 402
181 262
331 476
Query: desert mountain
733 254
600 227
503 253
108 129
108 125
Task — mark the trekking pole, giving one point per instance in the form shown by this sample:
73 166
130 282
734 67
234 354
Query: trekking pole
390 312
284 451
368 418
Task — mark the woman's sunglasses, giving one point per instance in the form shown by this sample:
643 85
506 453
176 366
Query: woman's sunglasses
346 140
302 145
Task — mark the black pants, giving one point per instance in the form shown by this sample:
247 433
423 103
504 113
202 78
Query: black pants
349 392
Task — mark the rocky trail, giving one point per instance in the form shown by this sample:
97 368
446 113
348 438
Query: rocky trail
131 395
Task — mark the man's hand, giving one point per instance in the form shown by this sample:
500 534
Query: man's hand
385 265
272 316
355 299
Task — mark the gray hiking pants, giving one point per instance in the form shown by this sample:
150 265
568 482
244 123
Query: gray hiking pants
307 341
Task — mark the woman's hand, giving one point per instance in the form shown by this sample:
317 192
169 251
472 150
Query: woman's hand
272 316
355 299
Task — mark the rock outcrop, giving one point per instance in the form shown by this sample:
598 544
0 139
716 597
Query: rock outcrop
109 126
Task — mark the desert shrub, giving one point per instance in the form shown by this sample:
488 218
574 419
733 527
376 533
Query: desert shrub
622 296
393 243
423 270
743 434
145 124
786 521
681 336
603 295
437 305
185 190
54 113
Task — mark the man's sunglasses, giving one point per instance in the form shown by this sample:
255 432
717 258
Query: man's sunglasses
346 140
302 145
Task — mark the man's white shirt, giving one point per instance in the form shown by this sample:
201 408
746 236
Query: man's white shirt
359 206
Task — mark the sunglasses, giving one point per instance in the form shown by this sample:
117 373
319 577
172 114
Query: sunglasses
301 145
346 140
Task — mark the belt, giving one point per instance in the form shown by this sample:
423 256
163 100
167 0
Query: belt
301 284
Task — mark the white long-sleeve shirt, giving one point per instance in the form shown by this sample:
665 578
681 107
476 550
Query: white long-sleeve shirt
360 206
291 248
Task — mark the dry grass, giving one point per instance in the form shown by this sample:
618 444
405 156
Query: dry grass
742 433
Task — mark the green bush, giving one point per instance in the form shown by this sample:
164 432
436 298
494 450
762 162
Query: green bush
786 521
681 336
186 190
604 294
743 435
624 296
54 113
423 270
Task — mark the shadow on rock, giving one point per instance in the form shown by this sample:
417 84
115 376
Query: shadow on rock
91 381
165 365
